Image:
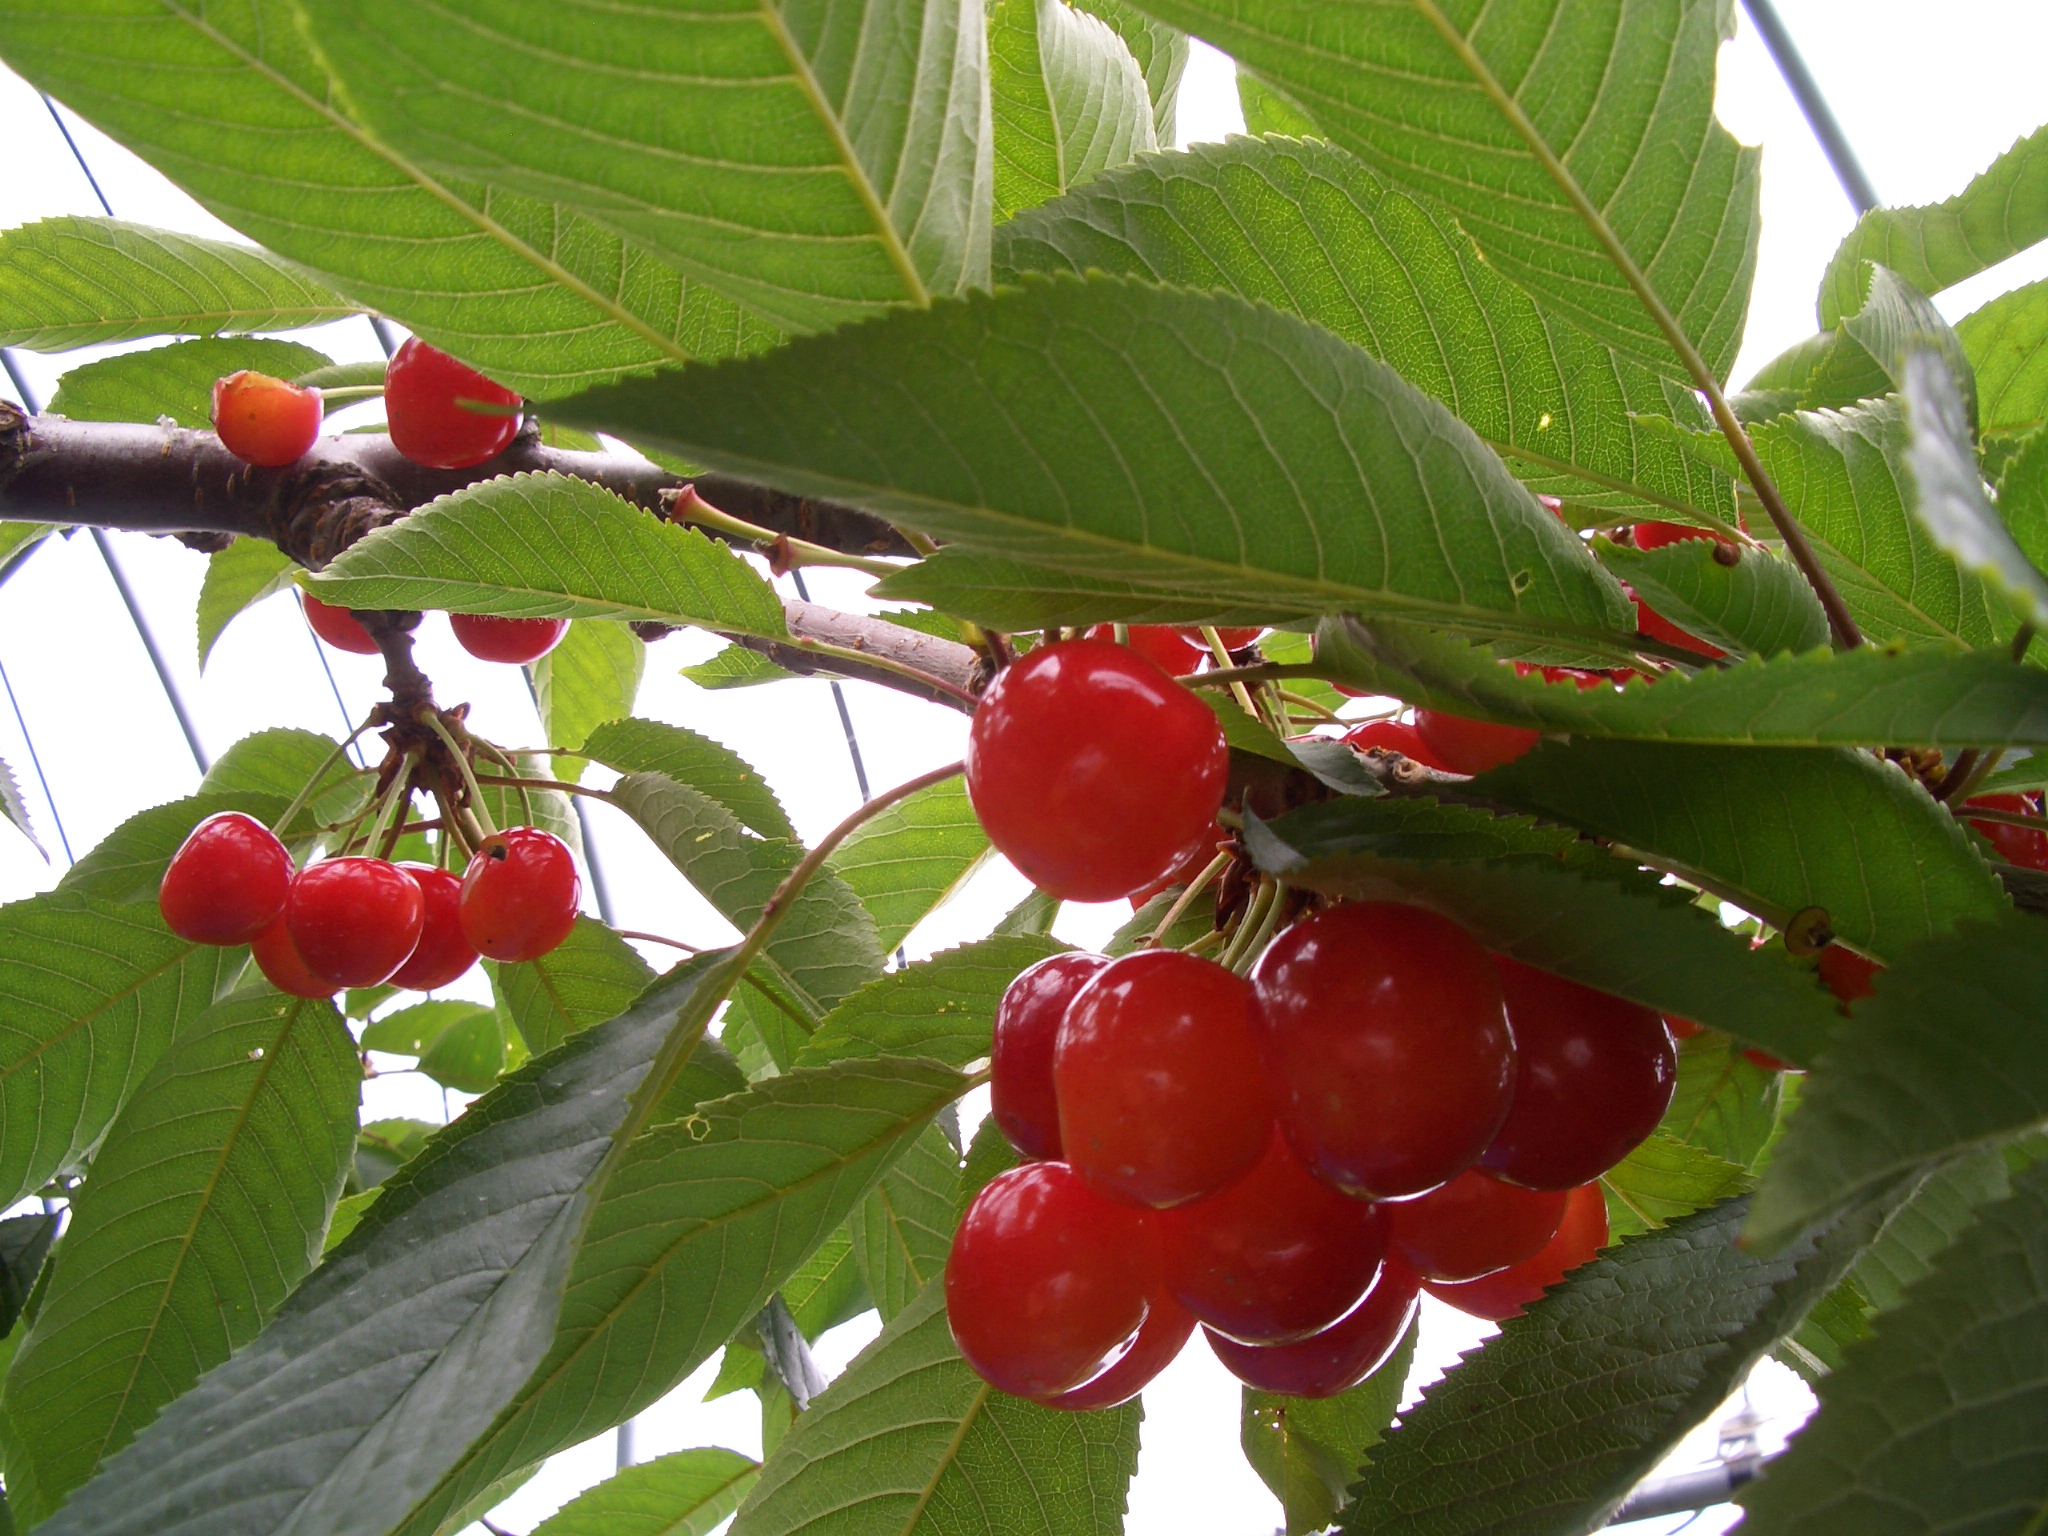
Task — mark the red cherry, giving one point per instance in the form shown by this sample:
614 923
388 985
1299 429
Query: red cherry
1275 1256
1159 1342
442 413
1157 1069
1767 1061
1657 535
1388 1045
354 920
1162 645
1502 1295
1471 746
1020 1064
281 966
339 627
1657 627
1578 676
1681 1029
1847 974
2024 846
1047 1280
443 953
226 883
1233 639
520 894
265 421
1092 770
1393 736
1198 857
512 641
1472 1226
1338 1358
1594 1074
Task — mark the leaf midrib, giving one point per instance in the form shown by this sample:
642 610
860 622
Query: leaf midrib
87 1019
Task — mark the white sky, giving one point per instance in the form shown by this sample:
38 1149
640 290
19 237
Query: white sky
1928 95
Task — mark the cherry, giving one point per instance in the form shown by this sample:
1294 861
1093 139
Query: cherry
1338 1358
1092 770
1502 1295
1681 1029
442 413
1047 1280
443 953
1657 535
1657 627
1471 746
226 883
1393 736
1594 1074
1020 1063
339 627
354 920
1198 857
1767 1061
1472 1226
1157 1070
520 894
265 421
1162 645
1847 974
1233 639
1388 1046
1275 1256
2024 846
512 641
281 966
1159 1342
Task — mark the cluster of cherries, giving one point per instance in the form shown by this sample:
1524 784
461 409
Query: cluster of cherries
355 921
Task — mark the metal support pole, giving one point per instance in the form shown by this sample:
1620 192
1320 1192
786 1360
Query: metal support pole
1820 117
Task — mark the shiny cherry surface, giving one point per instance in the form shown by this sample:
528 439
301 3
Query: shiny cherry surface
1503 1294
339 627
1388 1046
513 642
354 920
2024 846
1472 1226
520 894
443 953
281 966
445 414
1847 974
1594 1074
1092 770
1164 646
1274 1256
1160 1339
226 883
1338 1358
1395 736
1020 1062
1047 1281
1657 627
1471 746
265 421
1157 1071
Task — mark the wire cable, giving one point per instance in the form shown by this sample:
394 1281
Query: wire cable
860 768
35 761
78 154
1820 117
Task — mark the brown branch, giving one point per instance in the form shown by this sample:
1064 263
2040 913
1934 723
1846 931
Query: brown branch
908 660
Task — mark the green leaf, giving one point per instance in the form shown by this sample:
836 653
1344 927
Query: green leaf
1621 92
735 667
282 762
1724 1102
702 1223
1945 1059
1541 895
1069 101
907 860
685 1493
811 166
1551 1425
423 1322
469 1054
943 1008
1162 55
1758 606
904 1228
238 578
1778 831
24 1244
2007 342
382 1148
412 1031
549 546
1061 422
1307 1450
1926 1226
93 993
591 677
1952 506
15 809
827 1288
1893 319
591 976
1928 1426
988 1154
1310 230
127 865
910 1442
73 282
206 1205
1663 1179
1016 595
711 768
1269 110
175 381
2002 211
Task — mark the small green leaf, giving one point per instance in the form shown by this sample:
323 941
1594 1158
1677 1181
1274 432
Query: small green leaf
1724 1102
685 1493
591 976
904 1228
651 746
1894 318
1756 606
382 1148
281 762
591 677
905 862
735 667
1307 1450
469 1054
1269 110
412 1031
175 381
1069 101
1663 1179
238 578
2007 341
944 1007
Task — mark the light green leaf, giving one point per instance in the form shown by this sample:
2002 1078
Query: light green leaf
707 766
910 1442
73 282
468 1055
1068 97
175 381
591 976
906 861
205 1207
943 1008
2003 210
127 865
685 1493
2023 499
238 578
1663 1179
904 1228
812 166
1757 605
281 762
1894 319
15 809
1162 55
1724 1102
412 1031
1310 230
2007 342
1269 110
1307 1450
1621 92
1149 435
591 677
1017 595
735 667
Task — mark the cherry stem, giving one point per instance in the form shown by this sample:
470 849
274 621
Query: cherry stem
2004 818
1221 652
655 938
1196 886
562 786
2021 639
439 727
783 553
1260 914
392 804
1963 770
1985 767
312 785
1302 701
511 766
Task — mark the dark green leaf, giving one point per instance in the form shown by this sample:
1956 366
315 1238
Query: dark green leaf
128 863
944 1007
589 977
174 381
987 1155
24 1241
382 1148
907 860
1307 1450
591 677
237 578
685 1493
1758 606
827 1288
903 1229
1069 101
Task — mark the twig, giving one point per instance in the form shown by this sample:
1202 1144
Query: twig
784 552
1186 899
1952 781
562 786
655 938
